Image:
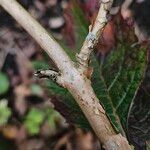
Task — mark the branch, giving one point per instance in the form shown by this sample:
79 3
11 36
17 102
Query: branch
52 75
76 82
95 31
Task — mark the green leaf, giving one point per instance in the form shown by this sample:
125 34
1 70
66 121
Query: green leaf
5 112
140 112
117 80
40 65
33 129
4 83
81 24
33 121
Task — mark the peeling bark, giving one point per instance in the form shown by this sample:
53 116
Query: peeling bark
95 31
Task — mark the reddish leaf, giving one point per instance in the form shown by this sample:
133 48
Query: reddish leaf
108 39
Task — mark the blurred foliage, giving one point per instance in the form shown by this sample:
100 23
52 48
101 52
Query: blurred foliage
148 145
5 112
40 65
33 120
36 117
4 83
51 117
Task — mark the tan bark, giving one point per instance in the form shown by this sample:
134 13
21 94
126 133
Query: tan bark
95 32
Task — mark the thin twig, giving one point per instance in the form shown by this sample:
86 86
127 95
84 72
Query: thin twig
94 34
52 75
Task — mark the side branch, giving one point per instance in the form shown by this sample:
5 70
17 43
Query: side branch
94 34
52 75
